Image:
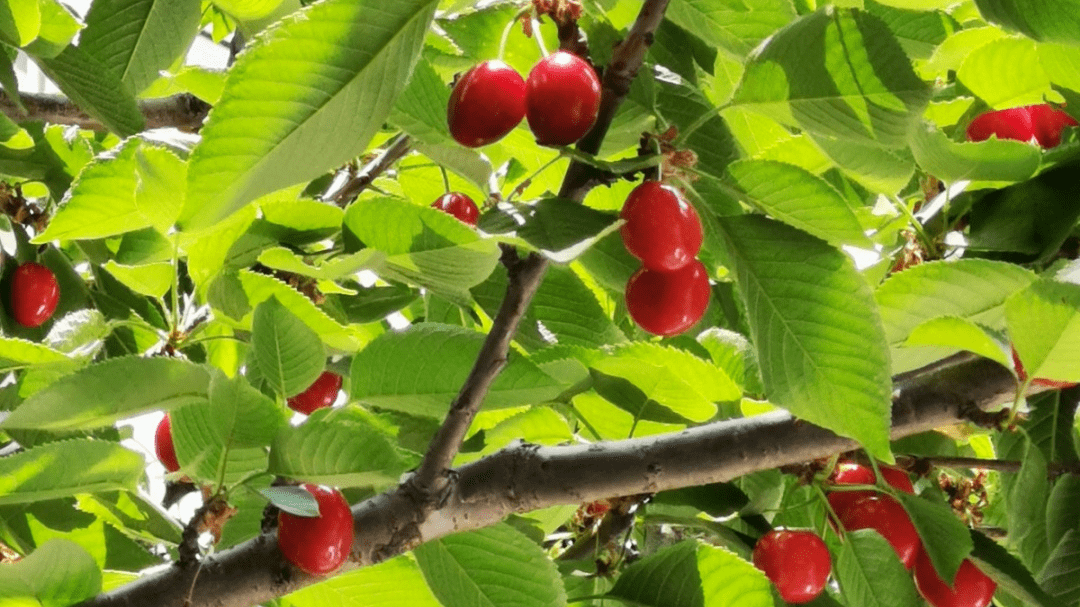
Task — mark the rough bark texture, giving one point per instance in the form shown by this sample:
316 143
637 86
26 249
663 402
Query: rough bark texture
183 112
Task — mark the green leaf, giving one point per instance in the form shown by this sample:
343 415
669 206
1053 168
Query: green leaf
88 82
945 538
1026 504
109 391
801 199
1034 217
294 500
388 373
918 31
1044 326
397 581
1063 508
59 573
494 566
248 10
137 38
288 354
732 26
20 22
340 448
1059 577
17 353
871 575
1007 570
555 225
959 333
816 330
58 28
307 96
131 189
420 110
985 65
65 468
838 73
971 289
281 258
153 280
226 436
995 160
1051 20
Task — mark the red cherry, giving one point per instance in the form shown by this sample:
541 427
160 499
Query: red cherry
597 508
163 445
318 545
796 562
885 515
1048 122
458 205
971 588
1013 123
34 294
320 394
562 98
1038 381
661 229
851 473
486 104
668 303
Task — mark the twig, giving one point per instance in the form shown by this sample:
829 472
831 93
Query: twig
185 112
975 463
398 148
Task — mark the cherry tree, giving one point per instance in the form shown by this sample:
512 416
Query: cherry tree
884 313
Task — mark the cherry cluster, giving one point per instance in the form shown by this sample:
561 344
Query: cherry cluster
797 561
34 294
1041 123
670 292
560 100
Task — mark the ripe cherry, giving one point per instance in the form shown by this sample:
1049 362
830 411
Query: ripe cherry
562 98
885 515
795 561
163 445
458 205
34 294
318 545
1047 123
486 104
661 229
1038 381
851 473
668 303
1013 123
320 394
971 588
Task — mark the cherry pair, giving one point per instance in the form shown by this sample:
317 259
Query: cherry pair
560 100
1041 122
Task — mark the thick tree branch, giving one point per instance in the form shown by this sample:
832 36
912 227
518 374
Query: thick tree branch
525 477
184 112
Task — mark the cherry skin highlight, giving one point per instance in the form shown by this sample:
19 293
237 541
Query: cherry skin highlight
163 445
318 545
885 515
486 104
459 205
661 229
971 588
668 303
34 294
795 561
562 98
320 394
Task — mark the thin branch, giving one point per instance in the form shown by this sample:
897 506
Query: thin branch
975 463
185 112
398 148
526 477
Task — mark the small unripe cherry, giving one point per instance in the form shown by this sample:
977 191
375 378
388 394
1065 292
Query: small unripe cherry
668 303
795 561
320 394
163 445
661 229
562 98
459 205
318 545
34 294
487 102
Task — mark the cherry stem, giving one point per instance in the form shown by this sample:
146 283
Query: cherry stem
506 33
445 179
525 183
539 37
